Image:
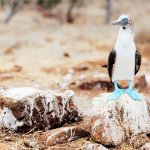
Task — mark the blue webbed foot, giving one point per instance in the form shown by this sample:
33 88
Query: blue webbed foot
116 94
134 95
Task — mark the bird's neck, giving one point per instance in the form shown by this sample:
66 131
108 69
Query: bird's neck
125 39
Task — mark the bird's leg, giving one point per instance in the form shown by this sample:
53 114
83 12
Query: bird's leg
117 92
132 93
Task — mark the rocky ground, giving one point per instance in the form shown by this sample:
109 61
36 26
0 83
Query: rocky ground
46 52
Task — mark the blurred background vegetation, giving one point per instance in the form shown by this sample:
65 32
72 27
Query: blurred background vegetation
16 5
46 37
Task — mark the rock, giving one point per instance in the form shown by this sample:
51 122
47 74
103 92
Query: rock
146 146
95 146
147 77
140 82
62 135
138 140
31 144
115 121
96 84
92 81
24 108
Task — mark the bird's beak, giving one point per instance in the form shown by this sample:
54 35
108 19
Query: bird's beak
117 22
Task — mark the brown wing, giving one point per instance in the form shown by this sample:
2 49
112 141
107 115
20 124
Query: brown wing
111 62
138 58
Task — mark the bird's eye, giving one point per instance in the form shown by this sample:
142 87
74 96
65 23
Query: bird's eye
124 28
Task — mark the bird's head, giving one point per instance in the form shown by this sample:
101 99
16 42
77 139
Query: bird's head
124 21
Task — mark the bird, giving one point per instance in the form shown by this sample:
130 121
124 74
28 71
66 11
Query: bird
124 59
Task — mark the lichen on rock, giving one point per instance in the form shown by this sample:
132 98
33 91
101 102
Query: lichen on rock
24 108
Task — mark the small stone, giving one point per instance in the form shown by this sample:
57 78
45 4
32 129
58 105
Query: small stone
66 54
95 146
31 144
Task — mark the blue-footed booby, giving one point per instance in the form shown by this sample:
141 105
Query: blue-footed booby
124 60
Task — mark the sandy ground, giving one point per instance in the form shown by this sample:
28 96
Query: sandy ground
42 51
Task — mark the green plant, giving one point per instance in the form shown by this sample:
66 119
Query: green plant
48 3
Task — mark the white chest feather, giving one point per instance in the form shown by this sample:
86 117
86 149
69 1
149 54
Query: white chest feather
125 56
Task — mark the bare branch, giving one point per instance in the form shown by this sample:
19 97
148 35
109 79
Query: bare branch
15 6
109 11
69 16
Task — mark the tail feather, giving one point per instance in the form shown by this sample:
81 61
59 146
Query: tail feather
105 66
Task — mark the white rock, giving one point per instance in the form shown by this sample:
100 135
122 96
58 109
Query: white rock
116 120
24 108
145 146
